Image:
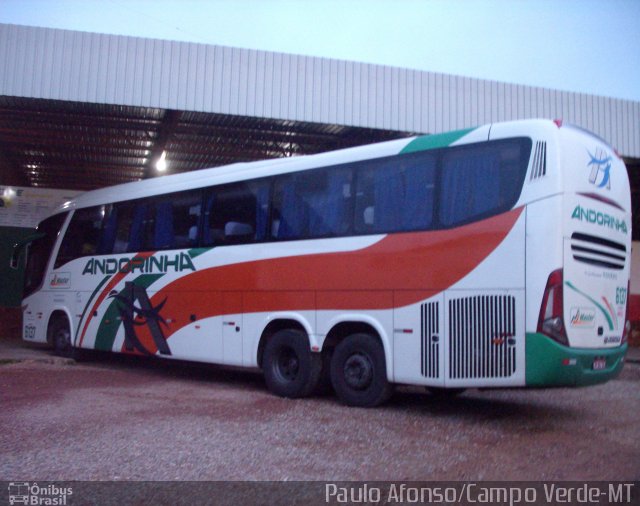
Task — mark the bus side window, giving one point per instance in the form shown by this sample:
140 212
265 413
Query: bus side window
419 187
396 195
176 220
236 213
163 236
470 185
124 217
288 210
82 236
138 233
483 180
314 203
108 236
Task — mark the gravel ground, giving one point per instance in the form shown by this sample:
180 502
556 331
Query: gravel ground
124 418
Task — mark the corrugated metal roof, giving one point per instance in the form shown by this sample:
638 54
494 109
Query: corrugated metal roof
110 69
81 146
82 110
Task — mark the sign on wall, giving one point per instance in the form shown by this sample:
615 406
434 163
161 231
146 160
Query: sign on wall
26 207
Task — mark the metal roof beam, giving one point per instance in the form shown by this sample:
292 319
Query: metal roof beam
76 119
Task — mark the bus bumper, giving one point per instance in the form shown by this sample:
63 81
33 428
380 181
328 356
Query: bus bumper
549 363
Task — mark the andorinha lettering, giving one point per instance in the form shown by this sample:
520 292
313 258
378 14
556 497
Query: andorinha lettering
599 218
145 265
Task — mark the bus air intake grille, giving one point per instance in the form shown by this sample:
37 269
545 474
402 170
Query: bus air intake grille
482 332
594 250
539 168
430 340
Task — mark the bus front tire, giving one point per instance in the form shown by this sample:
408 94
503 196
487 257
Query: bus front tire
359 373
60 338
290 368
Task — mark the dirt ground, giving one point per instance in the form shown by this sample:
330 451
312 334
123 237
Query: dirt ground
125 418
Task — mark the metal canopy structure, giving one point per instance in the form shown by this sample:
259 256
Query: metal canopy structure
83 110
82 146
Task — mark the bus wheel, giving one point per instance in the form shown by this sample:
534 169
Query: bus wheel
358 371
60 338
290 368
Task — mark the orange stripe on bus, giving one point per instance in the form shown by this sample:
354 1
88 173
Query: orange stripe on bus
399 270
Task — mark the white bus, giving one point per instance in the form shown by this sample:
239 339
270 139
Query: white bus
491 257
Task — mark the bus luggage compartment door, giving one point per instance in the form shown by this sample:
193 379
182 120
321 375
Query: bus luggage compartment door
485 338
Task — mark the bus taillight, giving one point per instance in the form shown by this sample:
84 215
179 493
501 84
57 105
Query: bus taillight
551 310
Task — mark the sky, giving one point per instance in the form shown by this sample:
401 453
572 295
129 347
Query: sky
589 46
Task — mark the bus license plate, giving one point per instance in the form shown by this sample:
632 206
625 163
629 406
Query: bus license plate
599 363
29 332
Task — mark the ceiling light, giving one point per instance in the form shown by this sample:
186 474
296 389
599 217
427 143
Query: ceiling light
161 164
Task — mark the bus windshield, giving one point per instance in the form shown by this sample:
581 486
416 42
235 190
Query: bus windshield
39 251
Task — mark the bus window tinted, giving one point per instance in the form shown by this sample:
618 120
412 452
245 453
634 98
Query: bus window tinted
396 195
236 213
82 236
314 203
128 228
177 218
159 223
481 180
428 190
127 220
171 221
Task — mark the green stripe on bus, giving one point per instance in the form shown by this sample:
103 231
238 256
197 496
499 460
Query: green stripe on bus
197 252
111 322
549 363
435 141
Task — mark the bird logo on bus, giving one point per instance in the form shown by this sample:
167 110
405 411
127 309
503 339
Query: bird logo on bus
600 165
145 314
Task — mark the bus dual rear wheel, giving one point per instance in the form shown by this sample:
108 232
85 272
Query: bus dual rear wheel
358 371
290 368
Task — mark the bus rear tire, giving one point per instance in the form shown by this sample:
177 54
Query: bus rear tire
290 368
60 338
359 372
